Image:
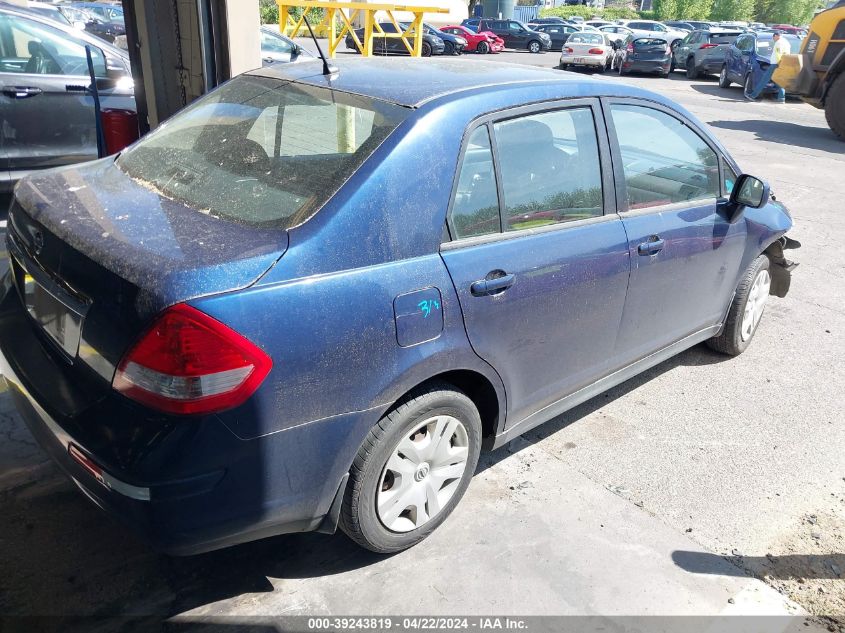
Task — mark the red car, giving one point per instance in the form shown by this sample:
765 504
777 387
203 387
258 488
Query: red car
788 28
484 42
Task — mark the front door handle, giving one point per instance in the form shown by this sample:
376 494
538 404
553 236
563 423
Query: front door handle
653 246
21 92
484 287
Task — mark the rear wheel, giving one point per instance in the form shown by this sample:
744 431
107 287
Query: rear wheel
692 71
412 469
724 82
426 49
483 48
534 46
746 309
834 107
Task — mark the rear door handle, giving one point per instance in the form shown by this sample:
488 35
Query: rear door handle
653 246
76 88
484 287
21 92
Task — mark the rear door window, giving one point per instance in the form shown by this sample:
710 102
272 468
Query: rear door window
664 161
475 210
260 151
722 38
550 168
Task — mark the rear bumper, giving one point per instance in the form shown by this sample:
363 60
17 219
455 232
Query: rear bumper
638 66
188 485
570 60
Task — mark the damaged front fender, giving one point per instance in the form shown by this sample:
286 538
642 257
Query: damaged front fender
781 268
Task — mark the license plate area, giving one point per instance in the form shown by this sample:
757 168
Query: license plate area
59 314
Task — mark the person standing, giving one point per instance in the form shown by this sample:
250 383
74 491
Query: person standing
780 47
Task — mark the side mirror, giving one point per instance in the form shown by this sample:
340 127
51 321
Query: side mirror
750 192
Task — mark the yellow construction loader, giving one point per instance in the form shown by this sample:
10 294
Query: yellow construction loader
817 73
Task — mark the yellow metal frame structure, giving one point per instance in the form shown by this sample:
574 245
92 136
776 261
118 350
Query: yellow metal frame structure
345 13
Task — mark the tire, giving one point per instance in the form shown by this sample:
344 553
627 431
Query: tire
834 107
426 49
672 66
746 309
563 66
692 71
367 515
724 82
534 46
482 48
748 84
449 48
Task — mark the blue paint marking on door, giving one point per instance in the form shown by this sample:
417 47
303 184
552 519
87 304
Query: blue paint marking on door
419 316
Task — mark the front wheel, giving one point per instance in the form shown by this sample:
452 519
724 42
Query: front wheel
412 469
748 86
746 309
834 106
724 81
534 46
483 48
426 49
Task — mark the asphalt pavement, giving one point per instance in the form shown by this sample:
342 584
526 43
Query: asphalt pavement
705 486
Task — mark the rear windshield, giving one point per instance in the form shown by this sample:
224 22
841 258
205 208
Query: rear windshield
764 47
586 38
648 43
260 151
722 38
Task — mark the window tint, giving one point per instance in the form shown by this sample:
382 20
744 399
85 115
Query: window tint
30 47
664 161
586 38
549 164
272 44
722 38
476 207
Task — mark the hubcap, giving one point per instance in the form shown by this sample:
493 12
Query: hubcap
755 304
422 474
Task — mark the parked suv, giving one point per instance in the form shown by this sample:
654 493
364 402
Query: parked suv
514 33
242 327
703 51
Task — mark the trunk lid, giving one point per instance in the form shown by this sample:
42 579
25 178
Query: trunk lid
95 256
650 50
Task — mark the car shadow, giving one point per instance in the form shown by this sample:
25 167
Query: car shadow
807 566
732 94
694 357
784 133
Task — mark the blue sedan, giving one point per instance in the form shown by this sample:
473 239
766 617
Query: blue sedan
310 301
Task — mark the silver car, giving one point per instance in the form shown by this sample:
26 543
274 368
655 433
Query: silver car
47 109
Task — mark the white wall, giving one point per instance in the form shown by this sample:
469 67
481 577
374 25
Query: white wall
244 42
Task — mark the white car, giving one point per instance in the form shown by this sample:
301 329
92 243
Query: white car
615 32
651 27
594 50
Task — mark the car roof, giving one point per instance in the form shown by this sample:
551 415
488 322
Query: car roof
413 82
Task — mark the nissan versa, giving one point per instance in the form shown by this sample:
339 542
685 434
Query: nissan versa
312 300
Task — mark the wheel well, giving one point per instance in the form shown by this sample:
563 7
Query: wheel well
478 389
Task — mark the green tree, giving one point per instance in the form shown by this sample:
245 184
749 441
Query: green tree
665 9
741 10
694 9
786 11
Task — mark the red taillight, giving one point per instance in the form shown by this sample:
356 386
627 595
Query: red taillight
709 45
595 51
630 48
570 50
190 363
